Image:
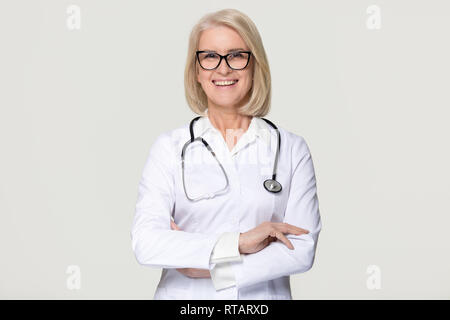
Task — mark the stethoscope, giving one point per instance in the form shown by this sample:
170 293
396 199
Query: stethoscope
271 185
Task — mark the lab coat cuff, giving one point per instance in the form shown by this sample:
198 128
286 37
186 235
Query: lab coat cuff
226 248
212 241
222 276
238 269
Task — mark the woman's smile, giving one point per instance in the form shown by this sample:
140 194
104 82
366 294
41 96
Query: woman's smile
225 84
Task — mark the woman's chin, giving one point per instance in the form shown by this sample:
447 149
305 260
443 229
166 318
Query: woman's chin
226 101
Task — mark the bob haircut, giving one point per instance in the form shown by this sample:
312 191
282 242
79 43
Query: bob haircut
259 102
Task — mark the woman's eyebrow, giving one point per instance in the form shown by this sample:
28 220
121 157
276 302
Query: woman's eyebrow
234 49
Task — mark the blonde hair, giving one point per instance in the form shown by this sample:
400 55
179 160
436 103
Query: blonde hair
259 102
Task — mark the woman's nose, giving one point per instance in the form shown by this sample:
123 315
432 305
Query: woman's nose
223 67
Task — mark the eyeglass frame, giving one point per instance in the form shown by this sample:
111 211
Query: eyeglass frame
223 57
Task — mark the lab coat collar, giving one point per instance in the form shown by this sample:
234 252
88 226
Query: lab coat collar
257 128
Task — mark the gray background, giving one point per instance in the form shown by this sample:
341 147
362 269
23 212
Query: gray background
79 110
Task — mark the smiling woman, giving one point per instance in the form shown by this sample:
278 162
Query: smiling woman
227 46
216 76
227 229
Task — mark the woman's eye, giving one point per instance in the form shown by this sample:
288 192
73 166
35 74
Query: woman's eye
210 55
235 55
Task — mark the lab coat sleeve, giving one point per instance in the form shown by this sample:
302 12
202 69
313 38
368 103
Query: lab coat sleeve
226 250
153 241
302 210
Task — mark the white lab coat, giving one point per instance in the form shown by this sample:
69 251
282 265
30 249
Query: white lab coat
213 226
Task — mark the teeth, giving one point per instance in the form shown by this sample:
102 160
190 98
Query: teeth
224 83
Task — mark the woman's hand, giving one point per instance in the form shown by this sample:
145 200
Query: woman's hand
191 272
260 237
195 273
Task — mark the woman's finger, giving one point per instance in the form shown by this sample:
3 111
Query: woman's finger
194 272
182 271
173 225
200 273
289 228
280 236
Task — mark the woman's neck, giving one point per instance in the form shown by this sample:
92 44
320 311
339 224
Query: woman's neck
230 123
223 120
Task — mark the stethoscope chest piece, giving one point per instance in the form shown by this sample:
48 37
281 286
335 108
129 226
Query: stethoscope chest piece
272 185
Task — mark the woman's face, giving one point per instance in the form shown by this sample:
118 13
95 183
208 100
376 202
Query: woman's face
222 39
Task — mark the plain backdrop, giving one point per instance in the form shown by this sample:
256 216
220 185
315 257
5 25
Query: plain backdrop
79 110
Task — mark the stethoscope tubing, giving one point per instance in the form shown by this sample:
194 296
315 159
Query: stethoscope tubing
271 185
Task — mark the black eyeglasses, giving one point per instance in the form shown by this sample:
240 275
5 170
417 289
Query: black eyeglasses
236 60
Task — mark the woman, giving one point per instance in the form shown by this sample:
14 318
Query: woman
239 230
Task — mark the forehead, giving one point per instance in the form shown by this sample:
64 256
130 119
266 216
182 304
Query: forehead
220 39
